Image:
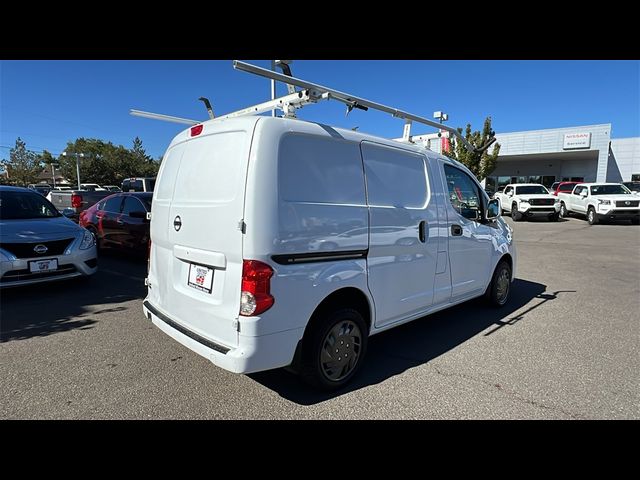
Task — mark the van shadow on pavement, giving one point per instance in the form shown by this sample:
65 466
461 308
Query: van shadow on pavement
45 309
415 343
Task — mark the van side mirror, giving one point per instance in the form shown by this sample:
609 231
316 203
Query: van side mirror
493 210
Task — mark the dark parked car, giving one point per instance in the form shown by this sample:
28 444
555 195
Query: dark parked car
120 221
143 184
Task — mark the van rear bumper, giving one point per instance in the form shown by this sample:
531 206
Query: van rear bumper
253 354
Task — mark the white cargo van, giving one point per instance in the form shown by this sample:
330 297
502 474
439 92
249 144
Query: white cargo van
278 242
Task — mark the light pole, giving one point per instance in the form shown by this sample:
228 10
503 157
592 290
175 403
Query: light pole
53 174
443 117
77 155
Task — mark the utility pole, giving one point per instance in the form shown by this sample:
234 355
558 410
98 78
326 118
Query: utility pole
77 155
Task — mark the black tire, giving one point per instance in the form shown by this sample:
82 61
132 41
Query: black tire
592 217
496 295
515 214
318 367
554 217
563 211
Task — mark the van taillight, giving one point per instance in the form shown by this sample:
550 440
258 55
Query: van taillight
197 130
76 200
256 285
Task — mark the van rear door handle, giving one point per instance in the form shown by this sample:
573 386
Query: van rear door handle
422 231
456 230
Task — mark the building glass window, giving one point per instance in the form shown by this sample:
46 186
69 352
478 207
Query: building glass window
548 180
503 182
535 179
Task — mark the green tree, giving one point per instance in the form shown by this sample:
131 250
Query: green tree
23 166
106 163
481 164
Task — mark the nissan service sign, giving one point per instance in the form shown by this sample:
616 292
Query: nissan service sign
576 140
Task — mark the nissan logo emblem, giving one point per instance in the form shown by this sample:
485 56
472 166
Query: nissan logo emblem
627 202
40 249
177 223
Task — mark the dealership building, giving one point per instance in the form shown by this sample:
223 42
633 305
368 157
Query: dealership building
586 154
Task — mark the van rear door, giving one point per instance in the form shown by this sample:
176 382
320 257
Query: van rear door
203 230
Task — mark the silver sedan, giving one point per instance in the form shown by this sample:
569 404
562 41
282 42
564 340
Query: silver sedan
38 244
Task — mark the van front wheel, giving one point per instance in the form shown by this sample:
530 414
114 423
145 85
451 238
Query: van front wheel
335 349
498 290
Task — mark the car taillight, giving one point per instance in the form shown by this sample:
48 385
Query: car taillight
256 285
76 200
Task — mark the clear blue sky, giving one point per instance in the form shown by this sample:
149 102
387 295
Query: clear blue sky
48 103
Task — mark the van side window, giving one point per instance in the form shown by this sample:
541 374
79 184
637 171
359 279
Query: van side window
463 193
395 177
320 170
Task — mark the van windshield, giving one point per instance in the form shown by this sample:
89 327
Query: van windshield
25 205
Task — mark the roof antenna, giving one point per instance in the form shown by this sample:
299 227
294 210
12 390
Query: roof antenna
207 104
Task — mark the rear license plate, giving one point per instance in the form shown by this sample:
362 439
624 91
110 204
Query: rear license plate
41 266
200 277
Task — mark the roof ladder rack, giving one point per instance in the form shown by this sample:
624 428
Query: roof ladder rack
352 101
312 93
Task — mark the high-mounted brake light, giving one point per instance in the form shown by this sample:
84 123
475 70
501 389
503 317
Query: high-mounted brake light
256 288
197 130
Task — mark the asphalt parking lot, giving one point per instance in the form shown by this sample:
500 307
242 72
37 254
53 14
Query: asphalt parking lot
565 347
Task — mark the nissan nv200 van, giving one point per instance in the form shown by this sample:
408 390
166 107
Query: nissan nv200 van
277 242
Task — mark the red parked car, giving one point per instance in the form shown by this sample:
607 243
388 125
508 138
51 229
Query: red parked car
563 187
120 221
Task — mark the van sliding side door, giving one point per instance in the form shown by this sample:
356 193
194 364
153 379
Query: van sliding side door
402 255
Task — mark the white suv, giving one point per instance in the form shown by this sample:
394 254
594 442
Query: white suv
527 199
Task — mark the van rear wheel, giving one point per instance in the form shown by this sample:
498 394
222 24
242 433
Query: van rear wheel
334 350
498 291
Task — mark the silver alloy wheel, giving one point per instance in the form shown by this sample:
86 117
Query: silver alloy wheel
340 350
502 286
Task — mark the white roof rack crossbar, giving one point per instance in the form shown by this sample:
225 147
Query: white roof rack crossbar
351 100
166 118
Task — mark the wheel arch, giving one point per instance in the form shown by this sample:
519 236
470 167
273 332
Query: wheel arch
347 297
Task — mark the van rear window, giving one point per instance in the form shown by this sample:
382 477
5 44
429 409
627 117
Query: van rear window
320 170
211 168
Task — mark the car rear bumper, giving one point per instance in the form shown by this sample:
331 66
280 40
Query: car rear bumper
252 354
